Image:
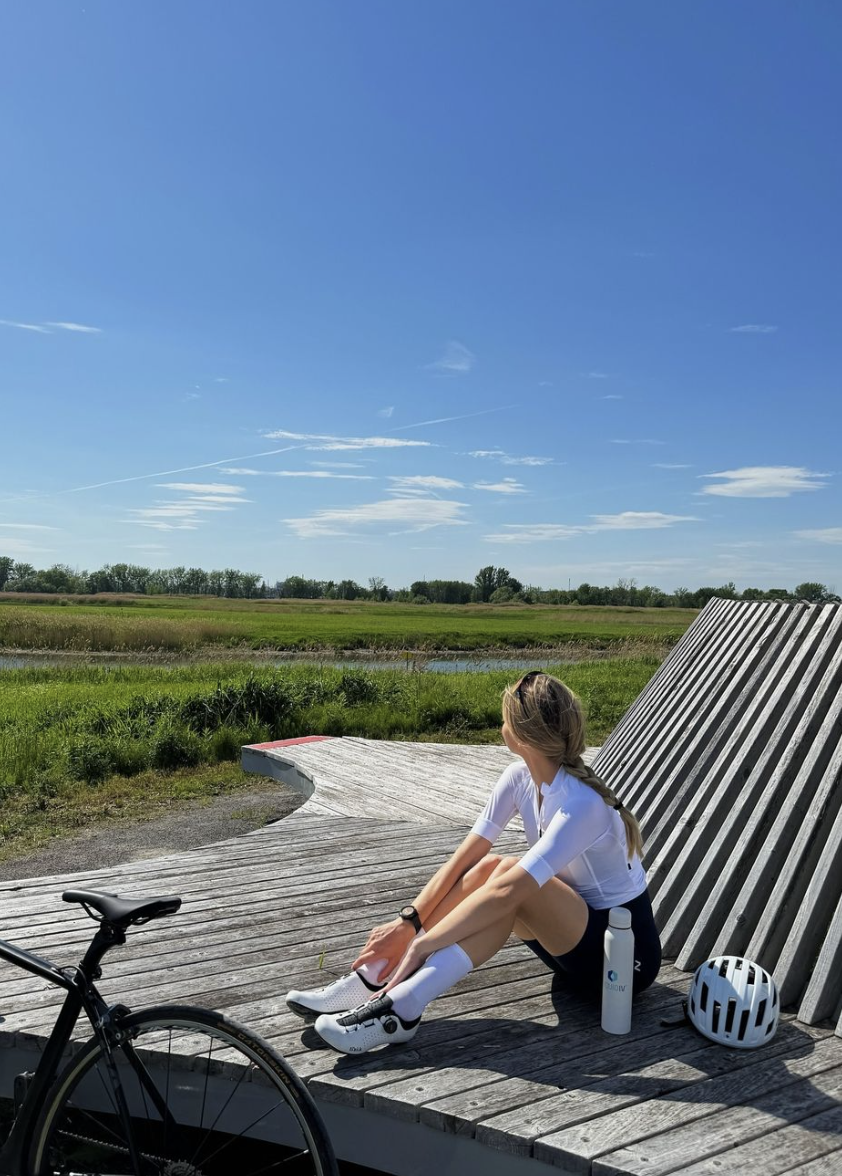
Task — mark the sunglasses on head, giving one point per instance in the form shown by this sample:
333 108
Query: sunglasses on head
527 677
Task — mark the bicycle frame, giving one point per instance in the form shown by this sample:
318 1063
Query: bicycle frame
82 996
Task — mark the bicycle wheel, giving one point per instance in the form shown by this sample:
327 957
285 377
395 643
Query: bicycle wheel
205 1097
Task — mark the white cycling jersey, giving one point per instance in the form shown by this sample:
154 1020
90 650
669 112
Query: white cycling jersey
573 834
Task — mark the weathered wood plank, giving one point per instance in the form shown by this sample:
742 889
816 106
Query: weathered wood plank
745 1139
579 1146
543 1058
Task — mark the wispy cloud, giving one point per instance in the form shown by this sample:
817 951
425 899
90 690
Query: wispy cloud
27 527
187 513
595 375
157 525
79 327
753 329
39 328
670 465
417 484
635 441
19 547
203 488
764 482
629 520
325 441
386 412
506 486
822 534
456 361
407 514
611 396
44 328
508 459
638 520
247 473
342 465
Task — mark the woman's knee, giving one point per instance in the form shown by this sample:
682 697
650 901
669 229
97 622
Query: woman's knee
483 870
503 865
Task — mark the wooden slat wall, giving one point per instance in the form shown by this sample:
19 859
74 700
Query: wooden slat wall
732 758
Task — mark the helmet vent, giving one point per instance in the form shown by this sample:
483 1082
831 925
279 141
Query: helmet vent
752 978
741 1032
761 1012
723 967
714 1020
730 1014
703 998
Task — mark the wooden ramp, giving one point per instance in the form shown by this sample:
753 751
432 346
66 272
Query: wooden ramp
431 783
732 759
509 1073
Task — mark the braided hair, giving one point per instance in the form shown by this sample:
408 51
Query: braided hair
545 714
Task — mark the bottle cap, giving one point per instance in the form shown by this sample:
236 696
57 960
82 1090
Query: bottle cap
620 918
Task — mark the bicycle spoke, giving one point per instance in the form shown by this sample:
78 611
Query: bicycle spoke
222 1111
242 1134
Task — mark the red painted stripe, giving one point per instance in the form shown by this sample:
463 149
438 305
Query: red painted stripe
291 742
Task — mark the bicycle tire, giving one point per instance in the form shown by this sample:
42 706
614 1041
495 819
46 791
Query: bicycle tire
171 1047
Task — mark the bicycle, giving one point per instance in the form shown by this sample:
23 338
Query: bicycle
166 1091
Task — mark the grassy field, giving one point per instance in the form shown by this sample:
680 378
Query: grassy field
84 744
188 624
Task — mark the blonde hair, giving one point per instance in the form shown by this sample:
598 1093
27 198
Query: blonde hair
545 714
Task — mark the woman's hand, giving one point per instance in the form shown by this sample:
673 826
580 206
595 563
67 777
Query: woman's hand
414 956
387 942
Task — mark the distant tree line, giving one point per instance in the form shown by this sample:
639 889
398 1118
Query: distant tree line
490 586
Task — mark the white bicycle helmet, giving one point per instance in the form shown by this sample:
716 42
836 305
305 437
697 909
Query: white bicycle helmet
734 1001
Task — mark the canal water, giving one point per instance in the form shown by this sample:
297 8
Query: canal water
411 663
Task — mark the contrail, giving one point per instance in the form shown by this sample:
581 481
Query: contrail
182 470
268 453
443 420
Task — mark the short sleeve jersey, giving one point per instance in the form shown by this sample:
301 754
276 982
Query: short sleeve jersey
573 835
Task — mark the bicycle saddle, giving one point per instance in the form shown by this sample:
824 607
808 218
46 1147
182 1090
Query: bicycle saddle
114 909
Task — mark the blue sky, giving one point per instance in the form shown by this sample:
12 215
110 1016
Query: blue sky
375 289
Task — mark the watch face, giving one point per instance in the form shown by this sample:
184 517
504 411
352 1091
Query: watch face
407 912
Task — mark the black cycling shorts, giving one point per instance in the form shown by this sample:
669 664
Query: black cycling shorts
583 965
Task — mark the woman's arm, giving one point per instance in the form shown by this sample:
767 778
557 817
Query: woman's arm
500 896
390 941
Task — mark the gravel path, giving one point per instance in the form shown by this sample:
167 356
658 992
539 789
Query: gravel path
197 823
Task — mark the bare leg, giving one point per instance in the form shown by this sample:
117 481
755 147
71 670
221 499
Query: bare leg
477 876
556 916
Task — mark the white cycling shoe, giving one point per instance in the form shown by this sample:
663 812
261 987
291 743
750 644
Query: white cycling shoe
345 993
367 1027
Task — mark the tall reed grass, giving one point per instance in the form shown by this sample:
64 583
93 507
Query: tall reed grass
184 626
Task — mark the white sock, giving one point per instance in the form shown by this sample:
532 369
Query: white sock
441 971
371 972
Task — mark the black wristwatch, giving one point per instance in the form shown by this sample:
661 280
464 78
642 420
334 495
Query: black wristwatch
410 914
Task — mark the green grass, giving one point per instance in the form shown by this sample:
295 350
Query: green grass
187 624
30 819
80 733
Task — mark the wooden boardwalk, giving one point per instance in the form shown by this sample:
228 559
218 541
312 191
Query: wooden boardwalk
509 1072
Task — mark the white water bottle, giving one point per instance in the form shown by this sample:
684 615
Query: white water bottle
618 972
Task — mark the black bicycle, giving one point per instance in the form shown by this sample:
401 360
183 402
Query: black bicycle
166 1091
